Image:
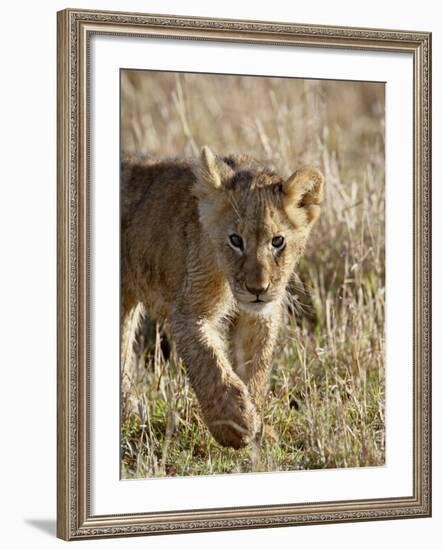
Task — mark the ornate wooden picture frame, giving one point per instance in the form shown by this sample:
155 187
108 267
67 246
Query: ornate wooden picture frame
74 517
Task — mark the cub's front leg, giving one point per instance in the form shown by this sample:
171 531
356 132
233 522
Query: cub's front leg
253 338
224 399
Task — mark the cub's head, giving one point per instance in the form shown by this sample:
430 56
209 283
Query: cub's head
257 222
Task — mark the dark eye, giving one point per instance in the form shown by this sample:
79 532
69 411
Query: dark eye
278 241
236 241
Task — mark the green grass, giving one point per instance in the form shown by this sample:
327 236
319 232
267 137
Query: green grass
326 397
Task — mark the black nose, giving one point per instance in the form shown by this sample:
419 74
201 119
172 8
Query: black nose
257 291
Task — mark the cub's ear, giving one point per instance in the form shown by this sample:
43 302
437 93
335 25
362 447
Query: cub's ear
210 172
302 196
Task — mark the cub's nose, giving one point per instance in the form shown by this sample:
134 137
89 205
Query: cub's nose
257 290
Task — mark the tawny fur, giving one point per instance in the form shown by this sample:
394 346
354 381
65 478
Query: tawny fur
178 261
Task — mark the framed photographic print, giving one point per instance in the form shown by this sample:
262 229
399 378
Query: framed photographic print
243 274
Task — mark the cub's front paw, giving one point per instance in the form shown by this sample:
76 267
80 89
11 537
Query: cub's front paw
233 420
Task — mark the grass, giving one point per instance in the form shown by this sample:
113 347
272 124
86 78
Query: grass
327 380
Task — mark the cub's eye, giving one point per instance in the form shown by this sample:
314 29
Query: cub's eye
278 242
236 241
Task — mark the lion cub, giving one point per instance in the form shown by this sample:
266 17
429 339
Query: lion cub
210 246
